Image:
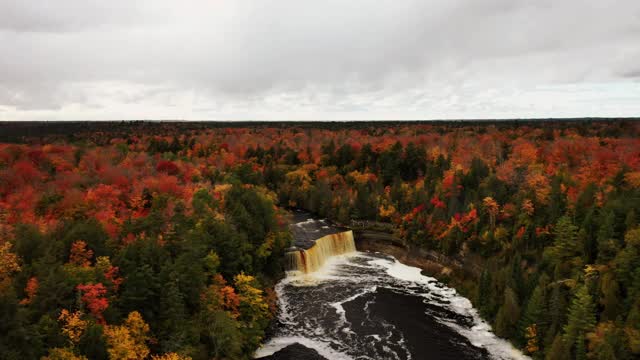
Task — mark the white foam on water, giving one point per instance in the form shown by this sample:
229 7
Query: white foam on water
479 334
401 271
306 222
340 309
278 343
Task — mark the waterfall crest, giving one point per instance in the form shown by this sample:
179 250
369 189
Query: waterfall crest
310 260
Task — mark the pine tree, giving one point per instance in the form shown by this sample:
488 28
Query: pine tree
558 350
630 221
536 312
172 317
610 295
557 313
607 246
588 236
581 320
485 293
508 315
565 243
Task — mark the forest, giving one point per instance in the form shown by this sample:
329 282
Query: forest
164 241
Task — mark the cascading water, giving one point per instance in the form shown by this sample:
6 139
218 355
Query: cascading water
312 259
337 303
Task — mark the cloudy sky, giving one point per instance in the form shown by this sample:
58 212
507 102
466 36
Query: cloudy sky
330 59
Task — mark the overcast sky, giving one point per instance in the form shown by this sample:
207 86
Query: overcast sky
329 59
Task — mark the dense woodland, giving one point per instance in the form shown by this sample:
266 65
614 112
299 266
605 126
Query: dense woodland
165 242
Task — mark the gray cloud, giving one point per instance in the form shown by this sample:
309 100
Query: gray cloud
74 58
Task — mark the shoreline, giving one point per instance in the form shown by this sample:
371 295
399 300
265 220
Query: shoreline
444 268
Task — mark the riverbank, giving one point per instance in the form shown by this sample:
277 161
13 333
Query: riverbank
445 268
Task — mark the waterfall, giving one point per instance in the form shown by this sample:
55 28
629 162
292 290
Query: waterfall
310 260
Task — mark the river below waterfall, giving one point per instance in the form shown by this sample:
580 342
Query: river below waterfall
370 306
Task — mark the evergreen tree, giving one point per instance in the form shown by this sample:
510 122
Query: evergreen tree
581 320
607 246
508 315
172 318
92 343
558 350
557 313
537 309
557 200
565 244
631 222
628 259
344 157
413 163
588 231
363 208
610 295
365 158
485 294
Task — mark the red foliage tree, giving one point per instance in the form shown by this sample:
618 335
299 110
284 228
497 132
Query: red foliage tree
168 167
80 255
93 296
31 290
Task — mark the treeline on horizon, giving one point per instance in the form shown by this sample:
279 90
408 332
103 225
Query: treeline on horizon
34 131
109 237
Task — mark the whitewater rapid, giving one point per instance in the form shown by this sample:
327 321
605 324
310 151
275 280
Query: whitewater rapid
312 311
370 306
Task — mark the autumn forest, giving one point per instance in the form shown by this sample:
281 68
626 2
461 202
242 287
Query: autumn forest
165 240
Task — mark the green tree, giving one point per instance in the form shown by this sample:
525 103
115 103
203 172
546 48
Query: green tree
173 327
558 350
29 243
607 245
581 320
92 344
508 315
221 335
565 246
610 297
557 313
537 309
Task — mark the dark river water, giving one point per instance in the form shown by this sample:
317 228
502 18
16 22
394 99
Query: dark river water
370 306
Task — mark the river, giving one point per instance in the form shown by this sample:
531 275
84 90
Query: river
365 305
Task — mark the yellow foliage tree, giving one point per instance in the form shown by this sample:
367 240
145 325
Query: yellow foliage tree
254 309
138 329
250 296
358 177
120 343
128 341
531 334
386 212
73 327
634 339
527 207
63 354
170 356
492 208
103 264
299 178
633 178
8 264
